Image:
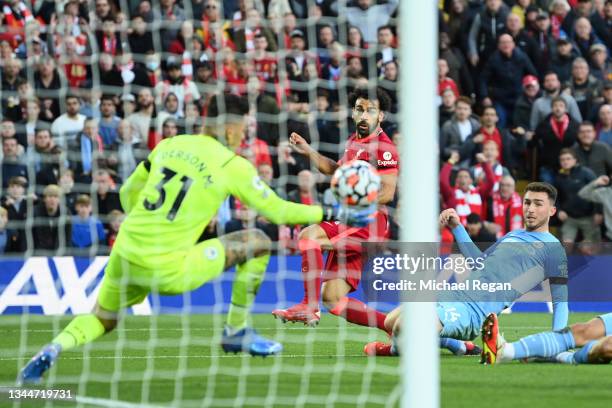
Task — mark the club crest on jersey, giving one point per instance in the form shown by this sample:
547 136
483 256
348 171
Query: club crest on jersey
211 253
387 155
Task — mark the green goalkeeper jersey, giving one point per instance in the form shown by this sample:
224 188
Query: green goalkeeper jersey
172 197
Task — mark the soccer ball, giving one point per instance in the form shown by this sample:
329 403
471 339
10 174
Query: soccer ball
356 183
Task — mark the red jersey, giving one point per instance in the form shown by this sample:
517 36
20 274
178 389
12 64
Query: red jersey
377 149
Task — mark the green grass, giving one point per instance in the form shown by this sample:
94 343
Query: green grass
319 367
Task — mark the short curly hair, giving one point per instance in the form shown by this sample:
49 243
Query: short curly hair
384 101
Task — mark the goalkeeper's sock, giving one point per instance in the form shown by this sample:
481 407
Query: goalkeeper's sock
359 313
312 265
81 330
246 285
457 347
582 356
540 345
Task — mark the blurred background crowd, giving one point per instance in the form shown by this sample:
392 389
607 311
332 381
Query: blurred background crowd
88 88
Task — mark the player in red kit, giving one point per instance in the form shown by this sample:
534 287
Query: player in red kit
342 271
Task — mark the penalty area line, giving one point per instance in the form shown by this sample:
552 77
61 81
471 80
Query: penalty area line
159 357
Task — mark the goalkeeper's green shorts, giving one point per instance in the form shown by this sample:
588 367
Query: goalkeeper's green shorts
126 284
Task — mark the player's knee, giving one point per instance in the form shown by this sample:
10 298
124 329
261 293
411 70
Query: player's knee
390 322
580 331
312 233
262 244
330 299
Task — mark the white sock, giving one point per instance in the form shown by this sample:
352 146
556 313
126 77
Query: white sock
507 352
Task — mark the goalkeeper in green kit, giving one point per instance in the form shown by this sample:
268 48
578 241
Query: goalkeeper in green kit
169 200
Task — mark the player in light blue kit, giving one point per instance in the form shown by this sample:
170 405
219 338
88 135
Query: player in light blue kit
524 258
595 338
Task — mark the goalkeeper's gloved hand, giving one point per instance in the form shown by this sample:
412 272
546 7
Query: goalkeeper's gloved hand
351 216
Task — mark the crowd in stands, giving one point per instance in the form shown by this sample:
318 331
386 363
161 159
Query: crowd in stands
88 88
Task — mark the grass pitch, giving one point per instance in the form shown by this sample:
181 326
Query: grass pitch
176 360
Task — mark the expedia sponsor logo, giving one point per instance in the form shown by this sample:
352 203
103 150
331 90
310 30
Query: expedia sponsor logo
387 162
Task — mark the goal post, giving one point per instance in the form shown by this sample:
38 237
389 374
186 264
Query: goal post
419 192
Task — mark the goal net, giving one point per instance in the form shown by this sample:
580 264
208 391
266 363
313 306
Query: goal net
89 89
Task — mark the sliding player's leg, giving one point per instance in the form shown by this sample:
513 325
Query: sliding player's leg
83 329
543 345
455 323
313 240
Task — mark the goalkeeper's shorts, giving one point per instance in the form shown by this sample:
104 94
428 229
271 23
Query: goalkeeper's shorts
126 284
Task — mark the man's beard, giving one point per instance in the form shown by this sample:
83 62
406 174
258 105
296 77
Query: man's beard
551 91
365 131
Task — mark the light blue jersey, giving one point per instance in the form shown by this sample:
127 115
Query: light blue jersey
522 258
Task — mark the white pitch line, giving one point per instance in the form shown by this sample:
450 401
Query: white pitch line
111 403
90 357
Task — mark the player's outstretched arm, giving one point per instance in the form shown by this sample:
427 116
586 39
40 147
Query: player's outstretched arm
244 183
450 218
388 183
324 164
128 194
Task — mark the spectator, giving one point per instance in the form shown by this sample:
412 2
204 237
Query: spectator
509 147
524 103
602 22
543 35
28 126
522 39
600 191
169 128
369 17
604 133
66 185
543 105
590 153
12 165
7 237
444 82
67 126
107 194
485 30
385 46
185 89
51 230
584 37
458 129
562 59
116 218
601 68
108 39
109 121
10 81
125 154
501 78
171 17
140 37
47 84
458 69
504 208
446 109
585 88
264 63
306 193
84 151
557 131
325 39
16 206
87 230
561 24
477 231
142 119
576 214
244 36
45 157
464 196
491 153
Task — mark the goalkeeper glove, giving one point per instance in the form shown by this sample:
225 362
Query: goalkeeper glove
352 216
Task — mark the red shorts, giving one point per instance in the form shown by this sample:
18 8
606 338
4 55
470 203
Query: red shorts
345 261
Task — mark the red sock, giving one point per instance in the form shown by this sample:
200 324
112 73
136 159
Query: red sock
359 313
312 265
